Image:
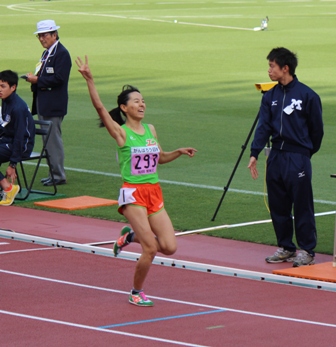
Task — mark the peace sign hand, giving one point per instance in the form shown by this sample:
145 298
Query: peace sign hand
84 67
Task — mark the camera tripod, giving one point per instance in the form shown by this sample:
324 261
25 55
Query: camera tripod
263 87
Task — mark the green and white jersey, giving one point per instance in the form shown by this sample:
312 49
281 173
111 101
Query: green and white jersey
139 157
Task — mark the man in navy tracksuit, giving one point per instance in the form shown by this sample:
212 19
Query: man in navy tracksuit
17 134
291 115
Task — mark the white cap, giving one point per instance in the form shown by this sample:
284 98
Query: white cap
45 26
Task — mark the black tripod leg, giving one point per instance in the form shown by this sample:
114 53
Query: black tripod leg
226 188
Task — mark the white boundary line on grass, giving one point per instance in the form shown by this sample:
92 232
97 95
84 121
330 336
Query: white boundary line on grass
228 226
218 227
32 8
185 184
176 263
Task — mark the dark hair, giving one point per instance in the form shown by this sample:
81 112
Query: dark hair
282 56
117 114
10 77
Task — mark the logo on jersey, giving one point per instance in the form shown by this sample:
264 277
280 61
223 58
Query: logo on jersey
151 142
4 122
295 105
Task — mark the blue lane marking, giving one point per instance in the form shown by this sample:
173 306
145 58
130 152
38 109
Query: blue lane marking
160 319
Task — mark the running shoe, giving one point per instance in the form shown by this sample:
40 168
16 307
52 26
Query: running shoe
281 255
121 242
140 299
303 258
8 197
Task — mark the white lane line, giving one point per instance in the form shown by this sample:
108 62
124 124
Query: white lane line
189 303
28 250
88 327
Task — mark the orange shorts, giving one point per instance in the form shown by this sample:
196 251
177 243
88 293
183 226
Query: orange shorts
146 195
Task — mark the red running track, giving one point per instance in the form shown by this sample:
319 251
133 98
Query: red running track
58 297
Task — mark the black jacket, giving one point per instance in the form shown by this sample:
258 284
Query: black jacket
51 90
17 127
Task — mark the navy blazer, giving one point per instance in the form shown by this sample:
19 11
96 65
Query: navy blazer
51 90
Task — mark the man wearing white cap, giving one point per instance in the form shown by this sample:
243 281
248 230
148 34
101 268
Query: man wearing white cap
49 85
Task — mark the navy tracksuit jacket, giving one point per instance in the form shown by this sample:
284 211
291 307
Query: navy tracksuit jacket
17 130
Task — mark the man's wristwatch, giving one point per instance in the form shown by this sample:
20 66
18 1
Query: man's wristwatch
12 165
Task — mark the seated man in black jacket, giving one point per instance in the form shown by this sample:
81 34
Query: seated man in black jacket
17 134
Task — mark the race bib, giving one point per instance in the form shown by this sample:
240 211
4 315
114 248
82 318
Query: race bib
144 160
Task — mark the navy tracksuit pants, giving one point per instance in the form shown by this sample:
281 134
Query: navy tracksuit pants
5 154
289 186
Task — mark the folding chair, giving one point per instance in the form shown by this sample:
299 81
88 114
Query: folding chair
42 128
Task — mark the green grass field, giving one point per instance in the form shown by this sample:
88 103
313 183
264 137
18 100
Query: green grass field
197 77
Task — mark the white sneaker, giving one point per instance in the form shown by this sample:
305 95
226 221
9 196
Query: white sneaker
303 258
281 255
